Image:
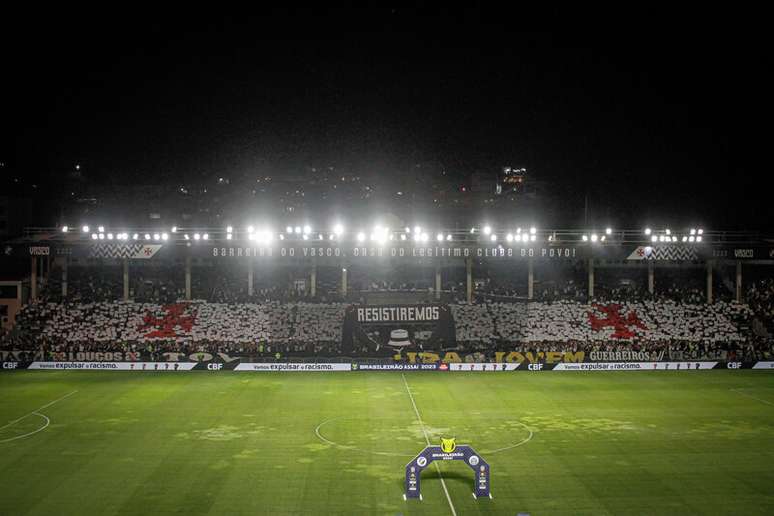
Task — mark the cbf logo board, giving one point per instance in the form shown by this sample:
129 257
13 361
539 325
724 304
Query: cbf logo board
448 450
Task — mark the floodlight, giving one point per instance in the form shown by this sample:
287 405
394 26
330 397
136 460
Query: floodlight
85 229
487 230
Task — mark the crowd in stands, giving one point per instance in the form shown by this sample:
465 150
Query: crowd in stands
278 318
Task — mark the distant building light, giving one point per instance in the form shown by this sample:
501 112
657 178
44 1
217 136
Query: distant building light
647 231
85 229
532 231
487 230
205 236
164 236
585 238
608 231
94 236
197 236
64 229
101 229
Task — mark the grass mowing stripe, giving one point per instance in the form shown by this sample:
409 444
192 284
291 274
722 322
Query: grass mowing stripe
427 439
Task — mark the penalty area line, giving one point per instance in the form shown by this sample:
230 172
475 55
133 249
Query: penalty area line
35 412
739 391
427 439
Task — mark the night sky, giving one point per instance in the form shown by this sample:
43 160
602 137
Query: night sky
651 114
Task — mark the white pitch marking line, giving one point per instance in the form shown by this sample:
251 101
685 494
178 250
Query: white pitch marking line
48 422
35 413
739 391
427 439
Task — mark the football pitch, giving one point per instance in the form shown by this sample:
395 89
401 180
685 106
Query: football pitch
660 442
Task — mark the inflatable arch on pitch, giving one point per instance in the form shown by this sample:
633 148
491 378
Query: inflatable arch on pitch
448 451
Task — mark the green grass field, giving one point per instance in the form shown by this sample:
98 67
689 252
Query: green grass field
242 443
